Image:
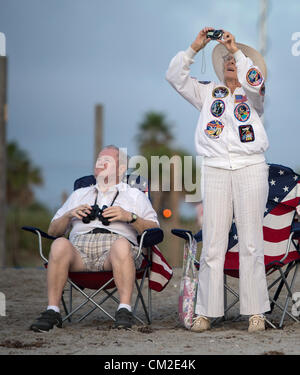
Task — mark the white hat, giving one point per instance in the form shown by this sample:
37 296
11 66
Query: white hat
220 51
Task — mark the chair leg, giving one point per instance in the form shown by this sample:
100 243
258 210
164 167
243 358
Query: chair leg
283 281
109 295
150 302
289 296
225 297
65 306
278 290
140 296
228 307
70 303
270 323
70 300
88 298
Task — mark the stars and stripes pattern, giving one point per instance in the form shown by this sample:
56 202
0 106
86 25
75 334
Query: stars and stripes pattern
160 271
284 197
240 98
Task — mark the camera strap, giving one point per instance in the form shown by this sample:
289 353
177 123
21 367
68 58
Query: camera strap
203 62
113 201
117 193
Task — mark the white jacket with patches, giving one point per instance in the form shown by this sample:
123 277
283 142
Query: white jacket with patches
229 140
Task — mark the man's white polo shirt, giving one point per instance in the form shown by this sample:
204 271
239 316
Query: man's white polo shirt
129 198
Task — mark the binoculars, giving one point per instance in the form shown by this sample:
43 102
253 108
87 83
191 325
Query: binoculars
96 213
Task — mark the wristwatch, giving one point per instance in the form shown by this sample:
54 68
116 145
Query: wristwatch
134 218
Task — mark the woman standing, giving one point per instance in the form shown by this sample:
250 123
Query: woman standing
231 138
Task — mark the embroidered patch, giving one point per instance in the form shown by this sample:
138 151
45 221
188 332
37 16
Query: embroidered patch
242 112
220 92
214 129
262 90
217 108
246 133
204 82
240 98
254 77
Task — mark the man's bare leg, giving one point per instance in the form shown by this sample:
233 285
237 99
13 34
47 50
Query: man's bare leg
63 258
120 261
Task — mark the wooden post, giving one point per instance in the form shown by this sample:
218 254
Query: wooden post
98 140
3 82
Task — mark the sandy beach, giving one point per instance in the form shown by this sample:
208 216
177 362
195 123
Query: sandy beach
25 291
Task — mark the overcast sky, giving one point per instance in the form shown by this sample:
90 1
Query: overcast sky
65 56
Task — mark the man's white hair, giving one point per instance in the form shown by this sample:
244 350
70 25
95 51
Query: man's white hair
122 156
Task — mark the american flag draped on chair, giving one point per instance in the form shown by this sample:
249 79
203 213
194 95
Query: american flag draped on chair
281 239
284 197
160 271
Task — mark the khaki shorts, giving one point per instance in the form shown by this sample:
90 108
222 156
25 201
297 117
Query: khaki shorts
94 249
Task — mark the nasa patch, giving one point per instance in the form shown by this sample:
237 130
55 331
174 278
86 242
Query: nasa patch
217 108
254 77
220 92
214 129
246 133
242 112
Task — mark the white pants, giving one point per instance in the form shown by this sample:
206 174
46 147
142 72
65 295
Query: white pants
242 192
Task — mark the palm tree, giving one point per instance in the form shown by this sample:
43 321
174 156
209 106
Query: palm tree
154 135
155 138
21 176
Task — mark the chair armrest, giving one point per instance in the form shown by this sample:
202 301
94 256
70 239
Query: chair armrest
198 236
35 230
182 233
40 234
151 237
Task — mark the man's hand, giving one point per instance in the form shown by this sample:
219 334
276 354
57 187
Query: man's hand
228 42
79 212
59 226
117 213
201 39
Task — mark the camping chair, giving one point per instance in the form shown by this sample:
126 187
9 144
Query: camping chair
281 241
103 281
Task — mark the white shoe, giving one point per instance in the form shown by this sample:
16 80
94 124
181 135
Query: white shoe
200 324
256 323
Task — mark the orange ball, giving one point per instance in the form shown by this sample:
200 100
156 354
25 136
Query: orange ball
167 213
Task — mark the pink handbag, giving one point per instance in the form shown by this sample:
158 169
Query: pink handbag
188 286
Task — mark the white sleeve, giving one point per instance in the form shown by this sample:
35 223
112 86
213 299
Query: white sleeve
69 204
253 86
144 209
178 75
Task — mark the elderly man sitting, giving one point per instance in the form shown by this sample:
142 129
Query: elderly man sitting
93 246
